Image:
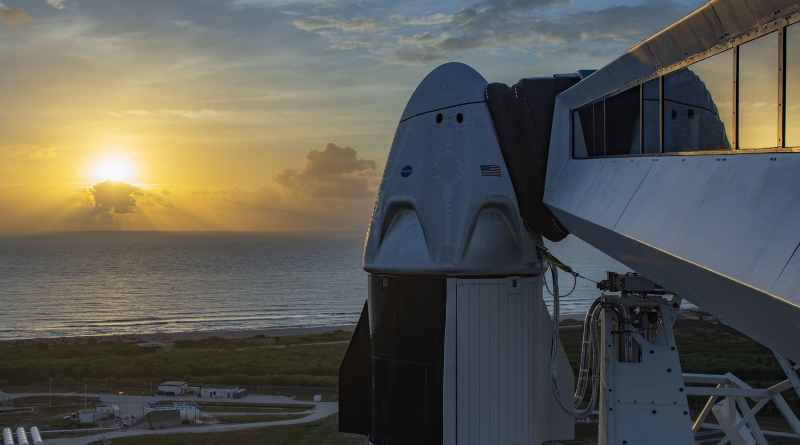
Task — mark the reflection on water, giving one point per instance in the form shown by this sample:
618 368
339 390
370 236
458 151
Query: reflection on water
135 283
139 282
758 92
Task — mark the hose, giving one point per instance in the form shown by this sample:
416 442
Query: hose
589 348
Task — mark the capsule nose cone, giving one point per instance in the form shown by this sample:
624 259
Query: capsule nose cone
448 85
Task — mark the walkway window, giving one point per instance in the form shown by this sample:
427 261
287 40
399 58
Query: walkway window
758 93
651 116
583 132
698 106
792 104
622 123
599 129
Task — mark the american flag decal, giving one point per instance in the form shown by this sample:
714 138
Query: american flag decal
490 170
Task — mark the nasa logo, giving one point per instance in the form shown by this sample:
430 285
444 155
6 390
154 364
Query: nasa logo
406 171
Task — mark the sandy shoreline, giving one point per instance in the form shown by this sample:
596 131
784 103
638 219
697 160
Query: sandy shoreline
169 337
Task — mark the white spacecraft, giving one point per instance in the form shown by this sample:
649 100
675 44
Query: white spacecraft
680 159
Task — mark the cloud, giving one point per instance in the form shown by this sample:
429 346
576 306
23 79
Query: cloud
58 4
356 24
13 16
188 114
334 172
114 197
191 114
27 151
528 26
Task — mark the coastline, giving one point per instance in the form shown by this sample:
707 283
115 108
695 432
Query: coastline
166 338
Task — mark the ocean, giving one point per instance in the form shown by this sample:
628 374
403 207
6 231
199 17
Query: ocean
104 283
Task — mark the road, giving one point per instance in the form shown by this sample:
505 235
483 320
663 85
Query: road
133 405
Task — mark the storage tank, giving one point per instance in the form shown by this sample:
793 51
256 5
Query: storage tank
8 438
22 437
36 438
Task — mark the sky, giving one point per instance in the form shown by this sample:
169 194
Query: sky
251 115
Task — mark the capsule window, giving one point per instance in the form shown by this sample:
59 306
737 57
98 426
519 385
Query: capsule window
460 118
439 118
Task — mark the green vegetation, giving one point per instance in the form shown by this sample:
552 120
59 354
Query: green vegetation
54 401
253 407
46 418
253 418
324 431
312 360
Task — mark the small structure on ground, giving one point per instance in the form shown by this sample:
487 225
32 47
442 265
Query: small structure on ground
22 437
187 411
8 437
87 416
220 391
158 419
172 388
36 438
317 397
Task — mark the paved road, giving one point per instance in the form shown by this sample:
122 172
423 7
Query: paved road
133 405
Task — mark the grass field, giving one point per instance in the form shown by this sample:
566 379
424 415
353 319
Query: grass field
260 360
251 418
311 360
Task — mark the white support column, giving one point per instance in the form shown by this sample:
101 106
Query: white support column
643 402
791 371
745 419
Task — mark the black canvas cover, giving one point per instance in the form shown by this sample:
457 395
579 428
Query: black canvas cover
523 119
407 317
355 381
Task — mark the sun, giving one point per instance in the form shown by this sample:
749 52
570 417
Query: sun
113 172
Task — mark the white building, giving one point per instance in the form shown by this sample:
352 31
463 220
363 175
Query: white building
189 411
173 388
87 416
224 391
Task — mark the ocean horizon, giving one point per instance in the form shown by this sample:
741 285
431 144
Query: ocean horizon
131 283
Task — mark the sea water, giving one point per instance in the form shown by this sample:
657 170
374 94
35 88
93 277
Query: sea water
103 283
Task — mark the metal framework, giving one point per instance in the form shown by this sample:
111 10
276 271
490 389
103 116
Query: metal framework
734 414
641 378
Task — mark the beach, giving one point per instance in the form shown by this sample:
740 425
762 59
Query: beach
167 338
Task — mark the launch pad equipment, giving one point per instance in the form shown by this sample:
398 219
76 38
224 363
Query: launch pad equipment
641 160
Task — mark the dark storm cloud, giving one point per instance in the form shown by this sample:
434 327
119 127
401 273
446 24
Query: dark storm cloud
114 197
13 16
334 172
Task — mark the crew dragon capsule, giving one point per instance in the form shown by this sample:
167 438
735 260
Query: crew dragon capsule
453 345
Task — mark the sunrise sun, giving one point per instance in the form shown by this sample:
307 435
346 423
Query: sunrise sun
113 172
